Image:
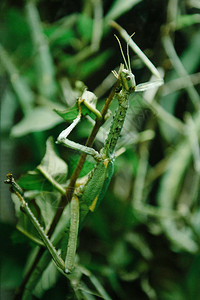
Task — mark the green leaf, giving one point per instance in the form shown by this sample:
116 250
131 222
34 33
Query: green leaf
39 119
53 167
71 113
63 39
24 225
50 175
43 206
85 27
46 187
61 33
47 203
187 20
19 84
68 114
87 167
47 280
45 69
34 181
53 164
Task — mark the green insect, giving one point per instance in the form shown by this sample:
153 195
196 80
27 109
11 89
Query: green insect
97 182
89 193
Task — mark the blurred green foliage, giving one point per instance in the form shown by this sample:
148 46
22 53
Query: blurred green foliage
144 240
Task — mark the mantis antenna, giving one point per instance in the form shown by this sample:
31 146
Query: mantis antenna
120 46
128 56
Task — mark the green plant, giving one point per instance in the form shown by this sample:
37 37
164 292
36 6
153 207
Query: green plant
148 222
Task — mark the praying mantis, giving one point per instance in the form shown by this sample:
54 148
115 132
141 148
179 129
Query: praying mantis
90 190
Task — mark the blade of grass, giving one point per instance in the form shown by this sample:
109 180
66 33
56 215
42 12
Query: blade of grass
169 187
176 62
21 88
43 59
98 25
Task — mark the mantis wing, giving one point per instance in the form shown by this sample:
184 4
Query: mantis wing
148 85
95 188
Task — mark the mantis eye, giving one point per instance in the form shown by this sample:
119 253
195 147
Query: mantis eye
128 78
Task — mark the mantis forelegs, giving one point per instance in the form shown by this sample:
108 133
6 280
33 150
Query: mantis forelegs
62 138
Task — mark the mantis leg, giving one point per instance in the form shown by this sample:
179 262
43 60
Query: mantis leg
76 146
62 138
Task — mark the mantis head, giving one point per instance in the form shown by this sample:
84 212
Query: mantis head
127 80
